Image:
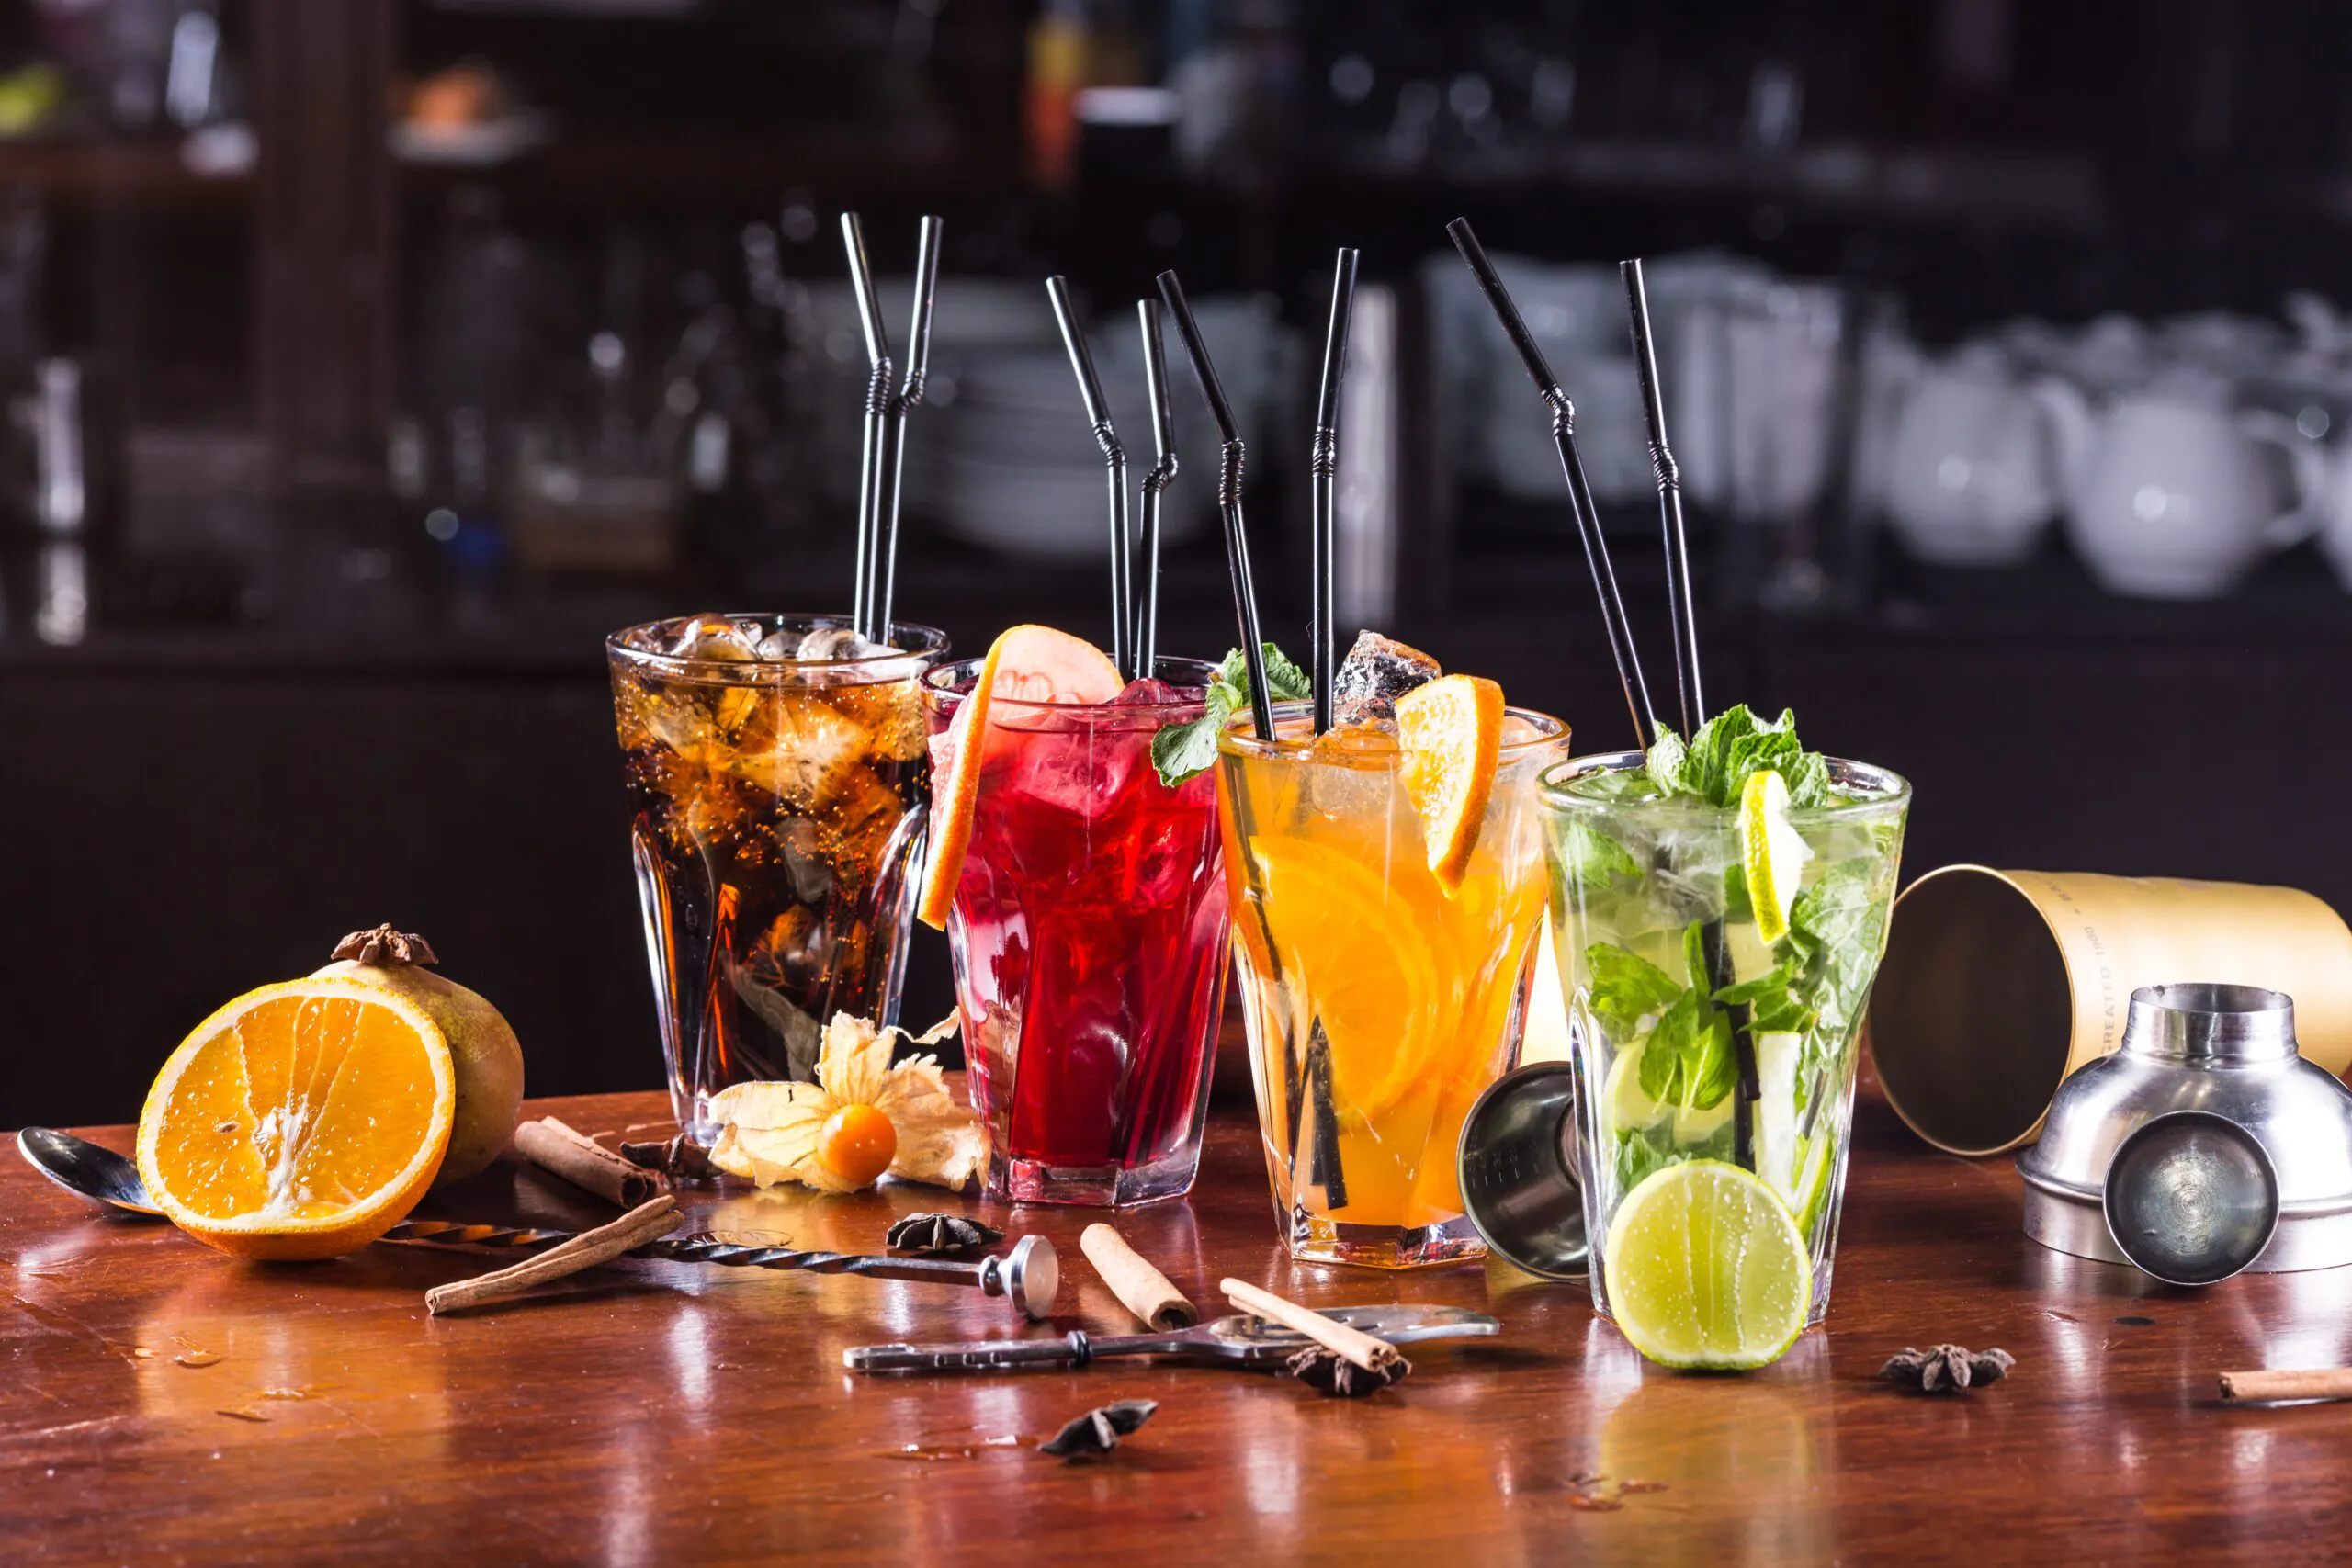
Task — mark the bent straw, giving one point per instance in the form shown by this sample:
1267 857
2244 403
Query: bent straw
1228 503
1670 505
1156 481
1580 503
1324 467
1114 458
892 475
877 404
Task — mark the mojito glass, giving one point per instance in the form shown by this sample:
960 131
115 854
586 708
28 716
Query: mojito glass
1089 939
1697 1038
778 776
1378 1005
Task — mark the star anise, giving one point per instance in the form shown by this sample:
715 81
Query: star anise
1946 1369
673 1157
1099 1431
939 1233
1338 1377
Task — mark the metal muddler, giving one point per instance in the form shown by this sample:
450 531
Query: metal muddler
1029 1276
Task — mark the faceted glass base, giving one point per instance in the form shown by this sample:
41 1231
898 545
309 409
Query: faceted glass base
1315 1239
1093 1186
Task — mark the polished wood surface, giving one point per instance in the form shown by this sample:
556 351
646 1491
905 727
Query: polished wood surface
163 1403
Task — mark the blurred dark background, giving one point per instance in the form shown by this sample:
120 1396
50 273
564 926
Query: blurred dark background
365 362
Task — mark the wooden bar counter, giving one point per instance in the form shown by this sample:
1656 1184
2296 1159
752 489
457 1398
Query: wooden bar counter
164 1404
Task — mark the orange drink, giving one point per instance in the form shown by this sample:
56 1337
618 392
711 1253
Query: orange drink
1383 972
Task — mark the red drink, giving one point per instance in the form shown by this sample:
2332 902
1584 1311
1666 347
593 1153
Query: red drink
1089 939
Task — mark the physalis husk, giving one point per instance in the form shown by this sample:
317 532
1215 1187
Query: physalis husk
770 1132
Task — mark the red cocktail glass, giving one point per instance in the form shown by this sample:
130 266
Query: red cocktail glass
1090 939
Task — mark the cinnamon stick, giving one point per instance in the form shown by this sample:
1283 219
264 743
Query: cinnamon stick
1350 1344
647 1221
560 1151
2318 1382
1141 1288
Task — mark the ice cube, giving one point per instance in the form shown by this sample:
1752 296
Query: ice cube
1376 672
809 755
890 711
1079 768
1358 778
1147 692
824 643
716 637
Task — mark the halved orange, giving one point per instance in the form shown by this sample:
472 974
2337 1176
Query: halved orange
302 1120
1033 664
1452 732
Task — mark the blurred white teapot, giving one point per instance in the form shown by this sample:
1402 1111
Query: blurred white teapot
2174 494
1971 473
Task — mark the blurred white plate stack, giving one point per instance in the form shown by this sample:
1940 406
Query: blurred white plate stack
1001 454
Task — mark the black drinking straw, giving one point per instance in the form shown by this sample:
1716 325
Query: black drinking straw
1670 505
877 404
1156 481
1114 458
892 474
1324 468
1580 503
1228 503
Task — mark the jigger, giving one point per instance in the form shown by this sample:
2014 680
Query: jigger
1519 1171
2191 1198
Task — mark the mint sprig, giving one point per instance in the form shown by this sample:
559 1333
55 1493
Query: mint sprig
1716 764
1183 751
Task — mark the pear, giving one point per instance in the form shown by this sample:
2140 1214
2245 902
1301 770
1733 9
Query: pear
482 1047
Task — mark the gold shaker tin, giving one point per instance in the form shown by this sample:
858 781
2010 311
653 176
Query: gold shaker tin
1998 984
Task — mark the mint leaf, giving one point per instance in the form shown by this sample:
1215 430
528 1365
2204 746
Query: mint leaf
1183 751
1626 989
1591 858
1285 681
1731 748
1688 1059
1808 779
1835 930
1666 761
1771 1002
1642 1152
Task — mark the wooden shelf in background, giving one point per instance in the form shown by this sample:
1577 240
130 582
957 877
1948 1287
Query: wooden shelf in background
149 173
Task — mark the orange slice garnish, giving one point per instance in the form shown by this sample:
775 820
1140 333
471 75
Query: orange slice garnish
300 1120
1370 954
1033 664
1452 732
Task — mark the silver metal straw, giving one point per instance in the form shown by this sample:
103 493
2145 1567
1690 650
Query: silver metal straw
885 567
1580 503
877 405
1156 481
1324 467
1229 503
1669 504
1114 459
